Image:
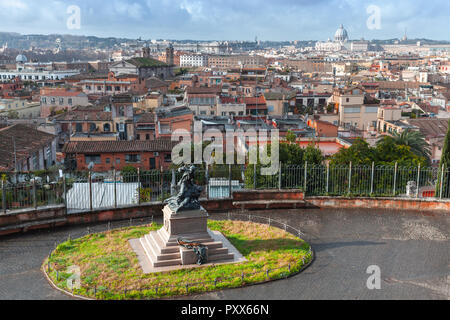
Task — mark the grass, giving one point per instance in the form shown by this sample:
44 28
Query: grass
108 263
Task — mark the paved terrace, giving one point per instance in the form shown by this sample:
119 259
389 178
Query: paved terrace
411 248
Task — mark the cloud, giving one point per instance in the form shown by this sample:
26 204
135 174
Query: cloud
231 19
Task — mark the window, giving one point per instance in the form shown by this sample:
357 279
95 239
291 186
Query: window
133 158
117 160
371 109
117 88
96 159
79 127
168 157
108 88
108 160
347 100
138 137
352 110
61 101
106 127
147 137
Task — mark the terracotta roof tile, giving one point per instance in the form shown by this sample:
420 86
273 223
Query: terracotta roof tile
98 147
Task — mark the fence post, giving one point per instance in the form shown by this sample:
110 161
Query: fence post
350 178
442 182
3 196
139 185
305 186
206 178
395 178
115 188
372 177
34 193
418 182
173 184
279 177
230 189
328 178
254 176
90 191
161 182
65 191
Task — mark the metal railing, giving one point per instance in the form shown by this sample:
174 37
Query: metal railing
85 191
138 292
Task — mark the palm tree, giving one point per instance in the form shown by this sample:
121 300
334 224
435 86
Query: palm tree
413 139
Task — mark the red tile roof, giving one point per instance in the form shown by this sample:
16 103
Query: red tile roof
98 147
27 140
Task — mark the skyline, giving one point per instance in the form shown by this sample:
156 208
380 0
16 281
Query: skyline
287 20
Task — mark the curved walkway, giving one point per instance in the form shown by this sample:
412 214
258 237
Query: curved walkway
411 249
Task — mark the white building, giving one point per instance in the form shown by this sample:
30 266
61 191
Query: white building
194 60
338 44
359 46
34 72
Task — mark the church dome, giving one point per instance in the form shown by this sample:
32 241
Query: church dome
21 58
341 34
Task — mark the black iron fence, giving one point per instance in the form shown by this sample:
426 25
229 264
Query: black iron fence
81 191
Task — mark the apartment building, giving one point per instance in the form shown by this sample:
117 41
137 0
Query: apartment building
61 99
193 61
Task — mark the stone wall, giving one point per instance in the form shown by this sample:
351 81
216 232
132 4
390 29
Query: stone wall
56 216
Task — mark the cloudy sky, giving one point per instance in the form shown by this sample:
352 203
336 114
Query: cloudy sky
231 19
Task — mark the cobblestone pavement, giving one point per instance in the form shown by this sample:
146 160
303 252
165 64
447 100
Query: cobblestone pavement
411 249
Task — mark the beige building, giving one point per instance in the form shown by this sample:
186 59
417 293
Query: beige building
150 102
388 118
19 108
235 61
353 113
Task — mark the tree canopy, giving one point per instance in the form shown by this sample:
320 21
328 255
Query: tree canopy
386 152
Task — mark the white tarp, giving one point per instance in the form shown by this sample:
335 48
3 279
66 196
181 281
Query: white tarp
102 195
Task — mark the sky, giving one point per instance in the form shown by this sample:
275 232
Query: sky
276 20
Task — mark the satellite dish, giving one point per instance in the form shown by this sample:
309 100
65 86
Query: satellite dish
91 165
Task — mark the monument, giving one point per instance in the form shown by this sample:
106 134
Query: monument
185 239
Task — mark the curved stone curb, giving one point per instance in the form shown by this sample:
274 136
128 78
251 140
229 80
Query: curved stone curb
306 266
54 286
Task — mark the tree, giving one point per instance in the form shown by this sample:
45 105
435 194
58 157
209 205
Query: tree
413 139
13 114
360 153
291 137
387 152
445 163
313 155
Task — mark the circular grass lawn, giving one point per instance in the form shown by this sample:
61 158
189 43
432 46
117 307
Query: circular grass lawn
109 268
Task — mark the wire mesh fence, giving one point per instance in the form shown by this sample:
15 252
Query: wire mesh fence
81 191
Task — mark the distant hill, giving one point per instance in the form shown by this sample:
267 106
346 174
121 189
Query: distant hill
24 42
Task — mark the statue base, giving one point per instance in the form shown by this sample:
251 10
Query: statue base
159 251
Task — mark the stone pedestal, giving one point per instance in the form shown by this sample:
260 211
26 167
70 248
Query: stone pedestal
185 223
161 250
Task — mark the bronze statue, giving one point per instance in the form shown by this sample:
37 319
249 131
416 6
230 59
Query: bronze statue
187 197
